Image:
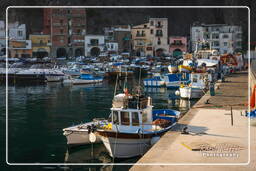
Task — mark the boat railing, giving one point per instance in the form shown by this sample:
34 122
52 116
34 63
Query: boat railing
131 103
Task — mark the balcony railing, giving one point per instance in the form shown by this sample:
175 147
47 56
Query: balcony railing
177 44
140 35
159 35
95 44
159 26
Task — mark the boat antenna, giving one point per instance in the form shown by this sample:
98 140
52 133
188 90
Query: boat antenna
139 89
116 84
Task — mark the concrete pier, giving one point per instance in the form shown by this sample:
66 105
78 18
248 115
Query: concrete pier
216 134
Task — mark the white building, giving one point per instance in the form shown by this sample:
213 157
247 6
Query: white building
2 38
221 37
94 45
17 31
112 47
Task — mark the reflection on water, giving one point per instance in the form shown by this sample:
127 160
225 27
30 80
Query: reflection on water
38 113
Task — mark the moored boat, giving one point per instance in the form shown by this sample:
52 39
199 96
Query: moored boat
134 127
80 134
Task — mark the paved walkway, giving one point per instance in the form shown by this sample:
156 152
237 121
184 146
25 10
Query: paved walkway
212 138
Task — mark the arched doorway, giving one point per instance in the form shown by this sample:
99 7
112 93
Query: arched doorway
176 53
160 52
95 51
61 53
79 52
41 53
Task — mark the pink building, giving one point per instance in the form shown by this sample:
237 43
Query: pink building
178 45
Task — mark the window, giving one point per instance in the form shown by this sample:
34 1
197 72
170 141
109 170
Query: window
61 31
151 31
159 41
145 26
78 31
159 33
125 120
225 43
138 33
151 23
177 42
135 119
41 42
225 36
215 36
20 33
194 80
115 117
158 24
94 42
61 22
143 33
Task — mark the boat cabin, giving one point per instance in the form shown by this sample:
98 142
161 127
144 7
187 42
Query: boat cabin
129 113
200 80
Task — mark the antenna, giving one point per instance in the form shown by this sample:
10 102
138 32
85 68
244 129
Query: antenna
139 89
116 84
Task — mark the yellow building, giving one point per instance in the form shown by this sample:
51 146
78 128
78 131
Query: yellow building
142 40
20 48
41 46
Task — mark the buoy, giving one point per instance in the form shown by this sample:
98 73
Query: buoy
92 137
177 92
154 140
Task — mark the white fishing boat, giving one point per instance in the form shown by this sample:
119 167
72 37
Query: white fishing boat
199 83
83 79
80 134
38 72
156 81
134 127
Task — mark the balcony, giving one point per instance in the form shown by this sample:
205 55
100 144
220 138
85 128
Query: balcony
95 44
159 26
159 35
40 44
177 44
140 35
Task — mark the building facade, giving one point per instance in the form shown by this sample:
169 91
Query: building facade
142 44
221 37
151 38
17 31
67 28
41 45
20 48
2 38
94 45
112 47
178 45
120 34
159 32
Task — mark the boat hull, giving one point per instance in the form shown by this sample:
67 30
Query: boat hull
125 148
154 83
76 138
191 93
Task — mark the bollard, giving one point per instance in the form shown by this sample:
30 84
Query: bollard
231 115
212 90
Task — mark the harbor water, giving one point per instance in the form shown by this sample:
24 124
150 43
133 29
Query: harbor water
38 113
